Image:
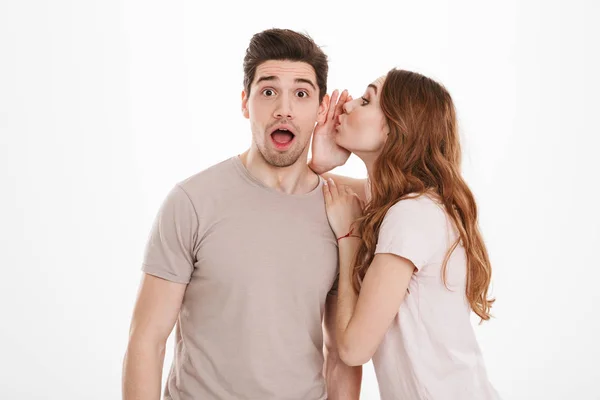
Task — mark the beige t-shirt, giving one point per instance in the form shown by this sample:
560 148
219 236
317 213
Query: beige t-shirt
259 265
430 351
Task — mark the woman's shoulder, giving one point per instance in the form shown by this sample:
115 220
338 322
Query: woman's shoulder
419 208
416 228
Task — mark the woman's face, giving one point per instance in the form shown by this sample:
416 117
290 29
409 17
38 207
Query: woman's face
362 127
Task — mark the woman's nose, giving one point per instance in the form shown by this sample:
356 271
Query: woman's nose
347 107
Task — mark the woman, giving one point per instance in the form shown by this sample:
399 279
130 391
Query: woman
413 264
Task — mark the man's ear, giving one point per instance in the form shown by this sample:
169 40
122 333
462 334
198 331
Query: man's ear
323 108
245 112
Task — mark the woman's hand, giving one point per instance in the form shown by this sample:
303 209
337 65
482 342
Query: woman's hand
326 154
343 207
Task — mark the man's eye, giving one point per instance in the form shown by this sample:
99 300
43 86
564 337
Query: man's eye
268 92
302 94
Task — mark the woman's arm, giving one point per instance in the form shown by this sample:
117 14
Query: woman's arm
363 320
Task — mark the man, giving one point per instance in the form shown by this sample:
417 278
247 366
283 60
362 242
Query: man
241 256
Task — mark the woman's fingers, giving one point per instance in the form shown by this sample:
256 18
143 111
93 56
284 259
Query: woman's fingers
335 194
340 104
332 105
326 193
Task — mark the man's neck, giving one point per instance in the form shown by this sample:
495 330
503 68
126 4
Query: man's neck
298 178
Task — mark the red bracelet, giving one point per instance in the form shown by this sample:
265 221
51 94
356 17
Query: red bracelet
349 234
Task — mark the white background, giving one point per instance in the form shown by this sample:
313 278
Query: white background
104 105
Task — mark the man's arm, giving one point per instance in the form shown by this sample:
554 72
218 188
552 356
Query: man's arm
343 382
155 313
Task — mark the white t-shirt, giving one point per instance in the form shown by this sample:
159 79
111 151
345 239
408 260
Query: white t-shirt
430 350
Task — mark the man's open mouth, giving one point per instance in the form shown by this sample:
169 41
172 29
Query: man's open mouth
282 137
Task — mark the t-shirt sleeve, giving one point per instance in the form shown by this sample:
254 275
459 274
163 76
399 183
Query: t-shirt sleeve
412 229
169 252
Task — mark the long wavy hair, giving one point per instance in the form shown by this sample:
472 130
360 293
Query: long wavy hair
423 155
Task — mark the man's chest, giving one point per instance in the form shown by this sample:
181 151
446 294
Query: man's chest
251 246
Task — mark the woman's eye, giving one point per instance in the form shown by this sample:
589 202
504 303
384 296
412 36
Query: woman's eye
364 101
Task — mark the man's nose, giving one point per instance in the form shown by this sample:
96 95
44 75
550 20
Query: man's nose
284 108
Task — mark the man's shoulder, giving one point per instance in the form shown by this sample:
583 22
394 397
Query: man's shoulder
210 185
209 178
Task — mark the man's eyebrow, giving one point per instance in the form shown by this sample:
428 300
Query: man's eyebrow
373 86
267 78
275 78
302 80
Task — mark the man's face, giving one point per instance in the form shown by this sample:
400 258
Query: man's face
283 107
